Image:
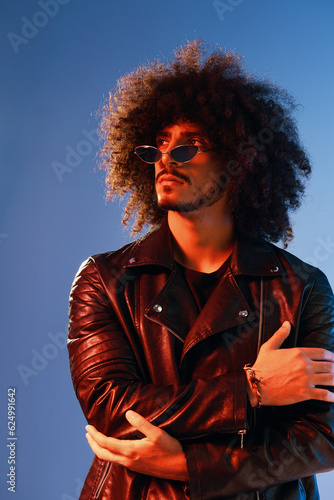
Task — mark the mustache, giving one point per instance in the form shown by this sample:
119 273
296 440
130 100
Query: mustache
175 173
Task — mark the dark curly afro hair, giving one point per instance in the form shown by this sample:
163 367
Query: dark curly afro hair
249 121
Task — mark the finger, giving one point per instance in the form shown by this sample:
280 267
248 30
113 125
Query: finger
101 452
322 367
96 435
279 336
318 354
322 395
143 425
323 379
113 444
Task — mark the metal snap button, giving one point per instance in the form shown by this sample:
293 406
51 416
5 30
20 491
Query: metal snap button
243 314
132 260
157 308
274 269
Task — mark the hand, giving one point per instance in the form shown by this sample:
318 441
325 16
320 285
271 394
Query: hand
158 454
290 375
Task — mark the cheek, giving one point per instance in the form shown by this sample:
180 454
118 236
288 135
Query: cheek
210 178
204 174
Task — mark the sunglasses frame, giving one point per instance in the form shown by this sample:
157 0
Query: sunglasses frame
169 152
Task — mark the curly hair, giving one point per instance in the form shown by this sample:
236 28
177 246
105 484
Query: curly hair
249 121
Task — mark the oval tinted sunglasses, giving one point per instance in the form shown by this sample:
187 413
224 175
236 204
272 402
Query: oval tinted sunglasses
181 154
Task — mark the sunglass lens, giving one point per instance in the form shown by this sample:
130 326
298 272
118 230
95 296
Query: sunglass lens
149 154
184 153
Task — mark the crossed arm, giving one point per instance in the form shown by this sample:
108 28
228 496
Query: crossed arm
288 376
216 465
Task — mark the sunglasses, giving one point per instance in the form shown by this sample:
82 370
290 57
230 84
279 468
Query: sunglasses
180 154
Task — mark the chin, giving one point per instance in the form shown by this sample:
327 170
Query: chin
179 206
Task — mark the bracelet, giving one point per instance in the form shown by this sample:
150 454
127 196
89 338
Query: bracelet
255 383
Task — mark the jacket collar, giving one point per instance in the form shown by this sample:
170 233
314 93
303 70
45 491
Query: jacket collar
249 257
154 248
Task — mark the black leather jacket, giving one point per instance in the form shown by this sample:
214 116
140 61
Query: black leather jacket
136 342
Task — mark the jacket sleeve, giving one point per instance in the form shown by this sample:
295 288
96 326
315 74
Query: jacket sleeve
291 442
108 380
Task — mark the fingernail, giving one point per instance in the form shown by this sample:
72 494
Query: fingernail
129 415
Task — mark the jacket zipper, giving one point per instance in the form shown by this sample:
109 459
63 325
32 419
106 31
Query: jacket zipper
102 480
242 432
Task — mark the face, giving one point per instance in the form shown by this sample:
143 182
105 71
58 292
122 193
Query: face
187 187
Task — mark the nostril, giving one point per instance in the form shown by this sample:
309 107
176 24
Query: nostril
167 159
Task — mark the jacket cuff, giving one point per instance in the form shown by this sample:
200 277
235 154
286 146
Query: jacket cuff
193 472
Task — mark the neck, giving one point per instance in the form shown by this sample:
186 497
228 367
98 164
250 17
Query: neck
201 241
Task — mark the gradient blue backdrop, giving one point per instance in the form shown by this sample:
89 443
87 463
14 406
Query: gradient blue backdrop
58 64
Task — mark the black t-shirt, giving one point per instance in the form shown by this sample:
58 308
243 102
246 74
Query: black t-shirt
202 284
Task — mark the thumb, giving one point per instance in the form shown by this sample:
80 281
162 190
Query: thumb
279 336
143 425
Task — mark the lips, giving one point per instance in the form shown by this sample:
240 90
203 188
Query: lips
169 178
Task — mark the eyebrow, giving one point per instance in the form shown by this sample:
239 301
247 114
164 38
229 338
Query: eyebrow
186 134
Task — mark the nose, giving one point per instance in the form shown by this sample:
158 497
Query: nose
167 160
166 163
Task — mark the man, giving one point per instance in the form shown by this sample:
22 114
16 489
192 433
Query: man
201 353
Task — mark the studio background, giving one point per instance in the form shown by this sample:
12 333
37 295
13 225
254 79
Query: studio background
59 59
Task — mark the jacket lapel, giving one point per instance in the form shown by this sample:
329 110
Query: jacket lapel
226 308
173 305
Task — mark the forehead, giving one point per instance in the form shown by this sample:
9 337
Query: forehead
182 129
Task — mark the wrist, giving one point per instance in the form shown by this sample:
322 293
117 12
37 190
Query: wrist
180 468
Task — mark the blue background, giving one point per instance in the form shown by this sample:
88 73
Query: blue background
53 79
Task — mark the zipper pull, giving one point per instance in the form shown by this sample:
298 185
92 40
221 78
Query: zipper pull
242 432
